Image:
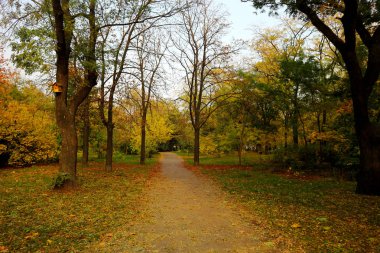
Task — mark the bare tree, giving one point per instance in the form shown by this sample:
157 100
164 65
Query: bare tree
150 50
118 35
201 53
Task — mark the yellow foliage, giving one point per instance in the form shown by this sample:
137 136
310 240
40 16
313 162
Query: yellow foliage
27 127
207 146
158 129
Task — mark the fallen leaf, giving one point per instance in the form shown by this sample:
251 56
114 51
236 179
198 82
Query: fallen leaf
322 219
3 249
32 235
269 244
296 225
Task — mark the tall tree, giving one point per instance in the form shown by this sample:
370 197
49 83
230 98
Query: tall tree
67 103
200 52
359 21
150 50
40 28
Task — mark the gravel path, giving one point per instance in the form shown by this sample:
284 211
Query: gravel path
186 213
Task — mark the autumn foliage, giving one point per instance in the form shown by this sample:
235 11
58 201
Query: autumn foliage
27 128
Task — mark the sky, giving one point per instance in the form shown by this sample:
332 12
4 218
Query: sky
245 19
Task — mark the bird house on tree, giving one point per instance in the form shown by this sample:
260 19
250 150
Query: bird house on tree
57 88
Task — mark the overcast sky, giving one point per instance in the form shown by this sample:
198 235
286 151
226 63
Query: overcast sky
244 19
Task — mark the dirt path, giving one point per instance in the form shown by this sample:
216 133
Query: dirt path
188 214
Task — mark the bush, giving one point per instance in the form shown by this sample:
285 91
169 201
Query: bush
311 158
28 134
297 158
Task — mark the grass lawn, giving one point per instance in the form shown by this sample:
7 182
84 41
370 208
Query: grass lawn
34 218
229 159
320 214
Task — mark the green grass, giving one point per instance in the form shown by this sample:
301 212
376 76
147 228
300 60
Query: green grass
322 215
248 159
120 158
34 218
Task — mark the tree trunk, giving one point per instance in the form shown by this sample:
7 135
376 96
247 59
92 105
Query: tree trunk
196 146
143 134
368 178
68 155
239 153
110 126
65 114
295 128
286 132
303 129
86 131
109 151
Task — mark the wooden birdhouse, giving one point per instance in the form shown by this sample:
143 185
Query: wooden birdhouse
57 88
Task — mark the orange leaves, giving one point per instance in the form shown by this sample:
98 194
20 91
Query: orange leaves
346 108
3 249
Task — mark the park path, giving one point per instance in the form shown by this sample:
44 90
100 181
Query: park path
185 213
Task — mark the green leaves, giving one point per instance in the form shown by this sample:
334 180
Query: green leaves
31 50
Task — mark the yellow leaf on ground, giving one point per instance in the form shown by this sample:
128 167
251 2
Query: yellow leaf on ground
32 235
296 225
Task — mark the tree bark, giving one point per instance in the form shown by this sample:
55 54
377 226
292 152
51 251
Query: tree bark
109 152
368 133
368 178
295 128
109 126
86 132
286 126
196 146
240 149
68 156
143 136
